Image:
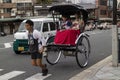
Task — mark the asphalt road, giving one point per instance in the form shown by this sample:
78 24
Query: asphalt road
101 47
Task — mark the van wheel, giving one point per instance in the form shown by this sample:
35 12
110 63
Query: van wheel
17 52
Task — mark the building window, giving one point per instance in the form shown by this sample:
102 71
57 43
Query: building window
103 2
28 4
20 4
7 1
53 25
7 10
23 6
103 12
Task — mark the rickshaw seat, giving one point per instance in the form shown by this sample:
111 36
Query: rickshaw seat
66 36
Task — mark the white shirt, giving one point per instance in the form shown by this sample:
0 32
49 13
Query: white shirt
37 35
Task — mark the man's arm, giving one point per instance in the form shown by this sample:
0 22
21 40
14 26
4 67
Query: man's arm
41 41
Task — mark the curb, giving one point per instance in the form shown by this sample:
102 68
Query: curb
90 72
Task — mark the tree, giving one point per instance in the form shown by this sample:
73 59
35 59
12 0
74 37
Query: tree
44 1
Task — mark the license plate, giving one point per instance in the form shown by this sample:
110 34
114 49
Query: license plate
20 48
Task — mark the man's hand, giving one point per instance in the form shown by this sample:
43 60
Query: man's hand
41 50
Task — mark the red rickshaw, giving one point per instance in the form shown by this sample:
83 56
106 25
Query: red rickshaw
76 44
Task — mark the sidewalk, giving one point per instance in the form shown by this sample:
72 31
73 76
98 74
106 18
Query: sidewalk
102 70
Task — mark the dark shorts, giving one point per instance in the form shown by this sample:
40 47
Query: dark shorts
36 55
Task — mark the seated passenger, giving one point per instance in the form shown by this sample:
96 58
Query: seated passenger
66 22
67 36
78 23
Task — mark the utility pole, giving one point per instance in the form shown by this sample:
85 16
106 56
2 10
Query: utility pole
109 8
114 12
115 41
33 7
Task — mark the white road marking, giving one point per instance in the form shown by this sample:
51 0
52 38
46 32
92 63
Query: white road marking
7 45
10 75
13 74
1 69
38 76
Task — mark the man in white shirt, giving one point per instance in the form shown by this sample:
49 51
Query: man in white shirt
36 46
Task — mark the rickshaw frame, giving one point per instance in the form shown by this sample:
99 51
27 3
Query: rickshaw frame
58 49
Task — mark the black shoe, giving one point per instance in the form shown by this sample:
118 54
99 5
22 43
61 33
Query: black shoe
45 67
45 72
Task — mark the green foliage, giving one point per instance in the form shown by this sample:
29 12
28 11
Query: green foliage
44 1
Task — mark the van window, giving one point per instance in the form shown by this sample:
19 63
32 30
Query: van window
53 25
22 26
37 25
45 27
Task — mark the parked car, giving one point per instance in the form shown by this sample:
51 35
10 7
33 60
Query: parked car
104 26
3 34
90 26
46 26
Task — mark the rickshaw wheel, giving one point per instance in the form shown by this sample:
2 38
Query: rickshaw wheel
53 53
53 56
82 51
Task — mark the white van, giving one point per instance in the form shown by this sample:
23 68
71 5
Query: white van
45 25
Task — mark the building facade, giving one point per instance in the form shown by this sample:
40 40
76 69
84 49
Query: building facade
13 8
105 8
6 7
24 8
101 9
